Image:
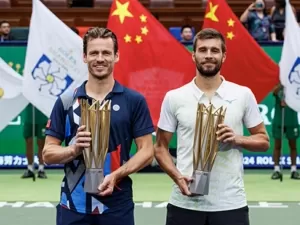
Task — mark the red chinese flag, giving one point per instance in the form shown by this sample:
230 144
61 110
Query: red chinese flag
152 61
246 64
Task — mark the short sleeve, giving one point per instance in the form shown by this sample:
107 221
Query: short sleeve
252 116
251 17
142 122
167 120
56 124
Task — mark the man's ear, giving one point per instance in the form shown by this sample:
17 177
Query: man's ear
117 57
224 57
193 56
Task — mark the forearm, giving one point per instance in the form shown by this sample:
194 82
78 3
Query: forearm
141 159
244 16
255 143
273 36
166 163
55 154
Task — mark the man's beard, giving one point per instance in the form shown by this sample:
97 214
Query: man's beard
209 72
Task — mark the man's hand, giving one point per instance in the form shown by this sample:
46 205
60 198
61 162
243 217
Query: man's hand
107 186
183 184
226 134
82 140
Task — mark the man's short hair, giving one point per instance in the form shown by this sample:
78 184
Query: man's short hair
3 22
185 26
99 32
209 33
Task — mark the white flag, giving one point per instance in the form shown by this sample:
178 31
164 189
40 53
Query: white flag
53 61
290 60
12 101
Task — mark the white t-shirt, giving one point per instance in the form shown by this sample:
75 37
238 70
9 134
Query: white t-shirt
178 113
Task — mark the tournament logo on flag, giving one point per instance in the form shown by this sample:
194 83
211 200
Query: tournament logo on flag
54 63
290 60
51 78
294 78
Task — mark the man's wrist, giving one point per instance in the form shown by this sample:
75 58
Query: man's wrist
119 173
72 151
238 140
176 176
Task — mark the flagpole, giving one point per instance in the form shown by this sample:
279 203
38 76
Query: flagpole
33 138
281 148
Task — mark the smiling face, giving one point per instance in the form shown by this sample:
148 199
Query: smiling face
100 57
100 52
209 53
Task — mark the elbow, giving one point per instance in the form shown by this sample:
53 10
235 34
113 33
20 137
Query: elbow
265 146
46 157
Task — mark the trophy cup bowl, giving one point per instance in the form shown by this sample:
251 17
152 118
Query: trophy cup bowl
205 146
96 118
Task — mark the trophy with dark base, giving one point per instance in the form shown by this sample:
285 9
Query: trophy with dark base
205 146
96 118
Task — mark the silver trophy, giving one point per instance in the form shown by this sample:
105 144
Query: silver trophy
96 118
205 146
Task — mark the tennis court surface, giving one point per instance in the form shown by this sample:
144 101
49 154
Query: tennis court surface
25 202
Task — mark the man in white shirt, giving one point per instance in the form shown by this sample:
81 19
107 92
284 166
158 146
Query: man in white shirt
226 202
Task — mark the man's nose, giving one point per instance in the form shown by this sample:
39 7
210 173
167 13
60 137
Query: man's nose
208 54
100 57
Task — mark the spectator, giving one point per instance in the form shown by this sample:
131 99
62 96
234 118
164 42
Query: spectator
259 22
278 18
186 33
5 32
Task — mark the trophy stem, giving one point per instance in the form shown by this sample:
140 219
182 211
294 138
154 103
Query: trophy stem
93 178
200 184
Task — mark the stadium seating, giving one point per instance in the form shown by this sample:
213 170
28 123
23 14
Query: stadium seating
161 3
187 3
5 4
21 3
56 3
171 13
20 33
102 3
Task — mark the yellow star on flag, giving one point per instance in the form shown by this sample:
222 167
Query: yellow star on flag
230 22
230 35
212 12
122 11
138 39
127 38
144 30
143 18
